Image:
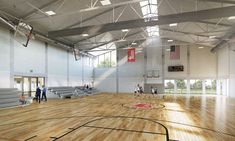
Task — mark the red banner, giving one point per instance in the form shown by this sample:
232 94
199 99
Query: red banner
131 55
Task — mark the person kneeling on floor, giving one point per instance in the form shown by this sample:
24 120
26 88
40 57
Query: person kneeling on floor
22 99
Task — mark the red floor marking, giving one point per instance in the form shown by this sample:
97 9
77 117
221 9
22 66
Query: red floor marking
143 106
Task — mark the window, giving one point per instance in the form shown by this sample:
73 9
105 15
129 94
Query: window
169 86
210 86
181 86
196 86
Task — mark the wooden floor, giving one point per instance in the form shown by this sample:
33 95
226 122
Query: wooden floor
112 117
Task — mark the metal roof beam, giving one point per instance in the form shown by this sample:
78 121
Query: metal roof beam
220 1
35 10
160 20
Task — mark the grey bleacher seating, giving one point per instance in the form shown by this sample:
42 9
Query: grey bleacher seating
9 97
63 92
85 91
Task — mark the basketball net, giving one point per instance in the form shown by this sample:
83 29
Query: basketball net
23 33
76 53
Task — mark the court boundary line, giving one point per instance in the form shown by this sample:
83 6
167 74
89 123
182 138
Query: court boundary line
167 133
203 128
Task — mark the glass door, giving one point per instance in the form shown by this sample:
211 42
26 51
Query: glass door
28 85
33 83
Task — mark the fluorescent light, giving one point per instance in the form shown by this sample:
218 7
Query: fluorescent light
50 13
212 37
200 47
85 35
231 18
168 49
105 2
133 43
169 40
173 24
125 30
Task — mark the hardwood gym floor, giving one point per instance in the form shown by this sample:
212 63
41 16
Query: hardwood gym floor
112 117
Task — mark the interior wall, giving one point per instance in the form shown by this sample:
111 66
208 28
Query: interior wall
226 69
198 64
202 63
57 65
182 61
232 71
4 58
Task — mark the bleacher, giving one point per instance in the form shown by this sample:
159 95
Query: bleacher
85 91
68 92
9 97
63 92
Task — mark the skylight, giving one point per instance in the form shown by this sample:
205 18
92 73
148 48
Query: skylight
150 11
105 2
50 13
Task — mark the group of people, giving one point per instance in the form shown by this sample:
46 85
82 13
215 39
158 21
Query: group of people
39 91
38 94
139 90
87 87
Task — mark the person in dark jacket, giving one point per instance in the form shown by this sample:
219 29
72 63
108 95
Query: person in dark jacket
44 91
38 94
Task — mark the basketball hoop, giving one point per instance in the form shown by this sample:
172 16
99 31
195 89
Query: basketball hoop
23 33
76 53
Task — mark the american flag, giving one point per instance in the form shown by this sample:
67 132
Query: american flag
175 52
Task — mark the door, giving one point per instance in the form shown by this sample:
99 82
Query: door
28 85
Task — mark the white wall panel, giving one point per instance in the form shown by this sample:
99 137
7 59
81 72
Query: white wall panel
202 63
181 61
29 58
223 62
4 58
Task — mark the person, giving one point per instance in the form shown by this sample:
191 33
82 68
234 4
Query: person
141 91
38 94
152 90
44 91
155 91
22 99
138 88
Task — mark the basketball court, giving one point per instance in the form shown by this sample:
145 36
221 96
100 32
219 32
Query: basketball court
117 70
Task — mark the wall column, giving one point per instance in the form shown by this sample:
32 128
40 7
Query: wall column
68 68
203 86
117 71
46 64
175 87
12 54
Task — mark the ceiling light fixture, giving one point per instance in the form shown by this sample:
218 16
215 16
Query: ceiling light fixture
50 13
212 37
85 35
231 18
133 43
200 47
169 40
173 24
105 2
125 30
168 49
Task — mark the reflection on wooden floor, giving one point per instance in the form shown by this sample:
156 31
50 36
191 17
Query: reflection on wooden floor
111 117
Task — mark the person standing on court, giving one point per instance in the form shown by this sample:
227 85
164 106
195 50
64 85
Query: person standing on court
38 94
44 91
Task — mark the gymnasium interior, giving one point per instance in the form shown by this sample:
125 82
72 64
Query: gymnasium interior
117 70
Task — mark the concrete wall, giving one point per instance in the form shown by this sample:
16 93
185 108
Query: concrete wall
57 65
